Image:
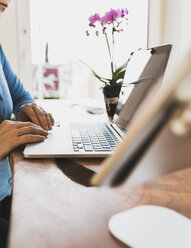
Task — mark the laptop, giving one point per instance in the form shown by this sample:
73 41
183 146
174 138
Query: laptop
145 70
174 100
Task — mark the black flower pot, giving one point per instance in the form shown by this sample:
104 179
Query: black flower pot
111 97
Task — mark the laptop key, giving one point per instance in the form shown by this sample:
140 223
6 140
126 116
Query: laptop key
102 150
87 143
97 145
103 143
80 146
76 150
88 148
75 133
91 139
76 139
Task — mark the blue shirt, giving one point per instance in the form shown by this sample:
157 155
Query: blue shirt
12 98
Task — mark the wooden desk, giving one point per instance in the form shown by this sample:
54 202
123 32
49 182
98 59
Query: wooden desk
54 205
51 210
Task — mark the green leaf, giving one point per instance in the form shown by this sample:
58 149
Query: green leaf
123 67
104 80
120 75
141 80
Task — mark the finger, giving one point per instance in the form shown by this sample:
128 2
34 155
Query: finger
41 117
18 125
29 111
29 138
50 116
52 119
32 130
48 120
15 124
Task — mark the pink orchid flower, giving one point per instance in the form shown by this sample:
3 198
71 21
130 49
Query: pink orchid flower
94 18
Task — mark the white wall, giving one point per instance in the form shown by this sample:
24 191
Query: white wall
170 23
8 34
15 39
24 44
185 34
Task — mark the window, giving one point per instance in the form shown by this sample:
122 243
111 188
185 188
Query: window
62 24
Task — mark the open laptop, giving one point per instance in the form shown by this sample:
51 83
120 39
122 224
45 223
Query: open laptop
146 66
174 100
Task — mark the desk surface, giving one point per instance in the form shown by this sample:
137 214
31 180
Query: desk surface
54 205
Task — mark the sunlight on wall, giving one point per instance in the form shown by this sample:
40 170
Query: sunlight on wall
63 24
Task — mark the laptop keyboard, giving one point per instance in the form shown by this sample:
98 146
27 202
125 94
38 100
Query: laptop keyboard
93 138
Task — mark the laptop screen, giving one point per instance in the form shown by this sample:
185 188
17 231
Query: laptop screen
146 69
134 70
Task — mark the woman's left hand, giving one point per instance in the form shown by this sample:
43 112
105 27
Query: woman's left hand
36 114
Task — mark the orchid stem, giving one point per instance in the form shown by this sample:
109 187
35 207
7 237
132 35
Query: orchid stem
109 49
113 54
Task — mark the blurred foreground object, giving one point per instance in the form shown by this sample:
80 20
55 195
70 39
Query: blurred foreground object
181 121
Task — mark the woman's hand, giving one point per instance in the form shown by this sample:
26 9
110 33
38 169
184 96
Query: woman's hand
14 133
37 115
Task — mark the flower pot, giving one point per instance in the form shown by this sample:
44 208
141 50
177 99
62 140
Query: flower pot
111 97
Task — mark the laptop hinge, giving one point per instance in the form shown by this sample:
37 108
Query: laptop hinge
117 129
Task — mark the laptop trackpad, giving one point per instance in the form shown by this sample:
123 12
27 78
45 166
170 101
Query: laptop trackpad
57 143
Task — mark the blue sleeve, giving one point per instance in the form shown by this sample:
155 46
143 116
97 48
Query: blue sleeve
19 95
5 179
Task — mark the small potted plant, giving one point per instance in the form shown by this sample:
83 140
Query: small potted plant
110 25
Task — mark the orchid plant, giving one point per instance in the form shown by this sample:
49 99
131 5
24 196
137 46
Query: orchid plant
110 24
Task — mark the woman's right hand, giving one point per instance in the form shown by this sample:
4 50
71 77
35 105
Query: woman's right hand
15 133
